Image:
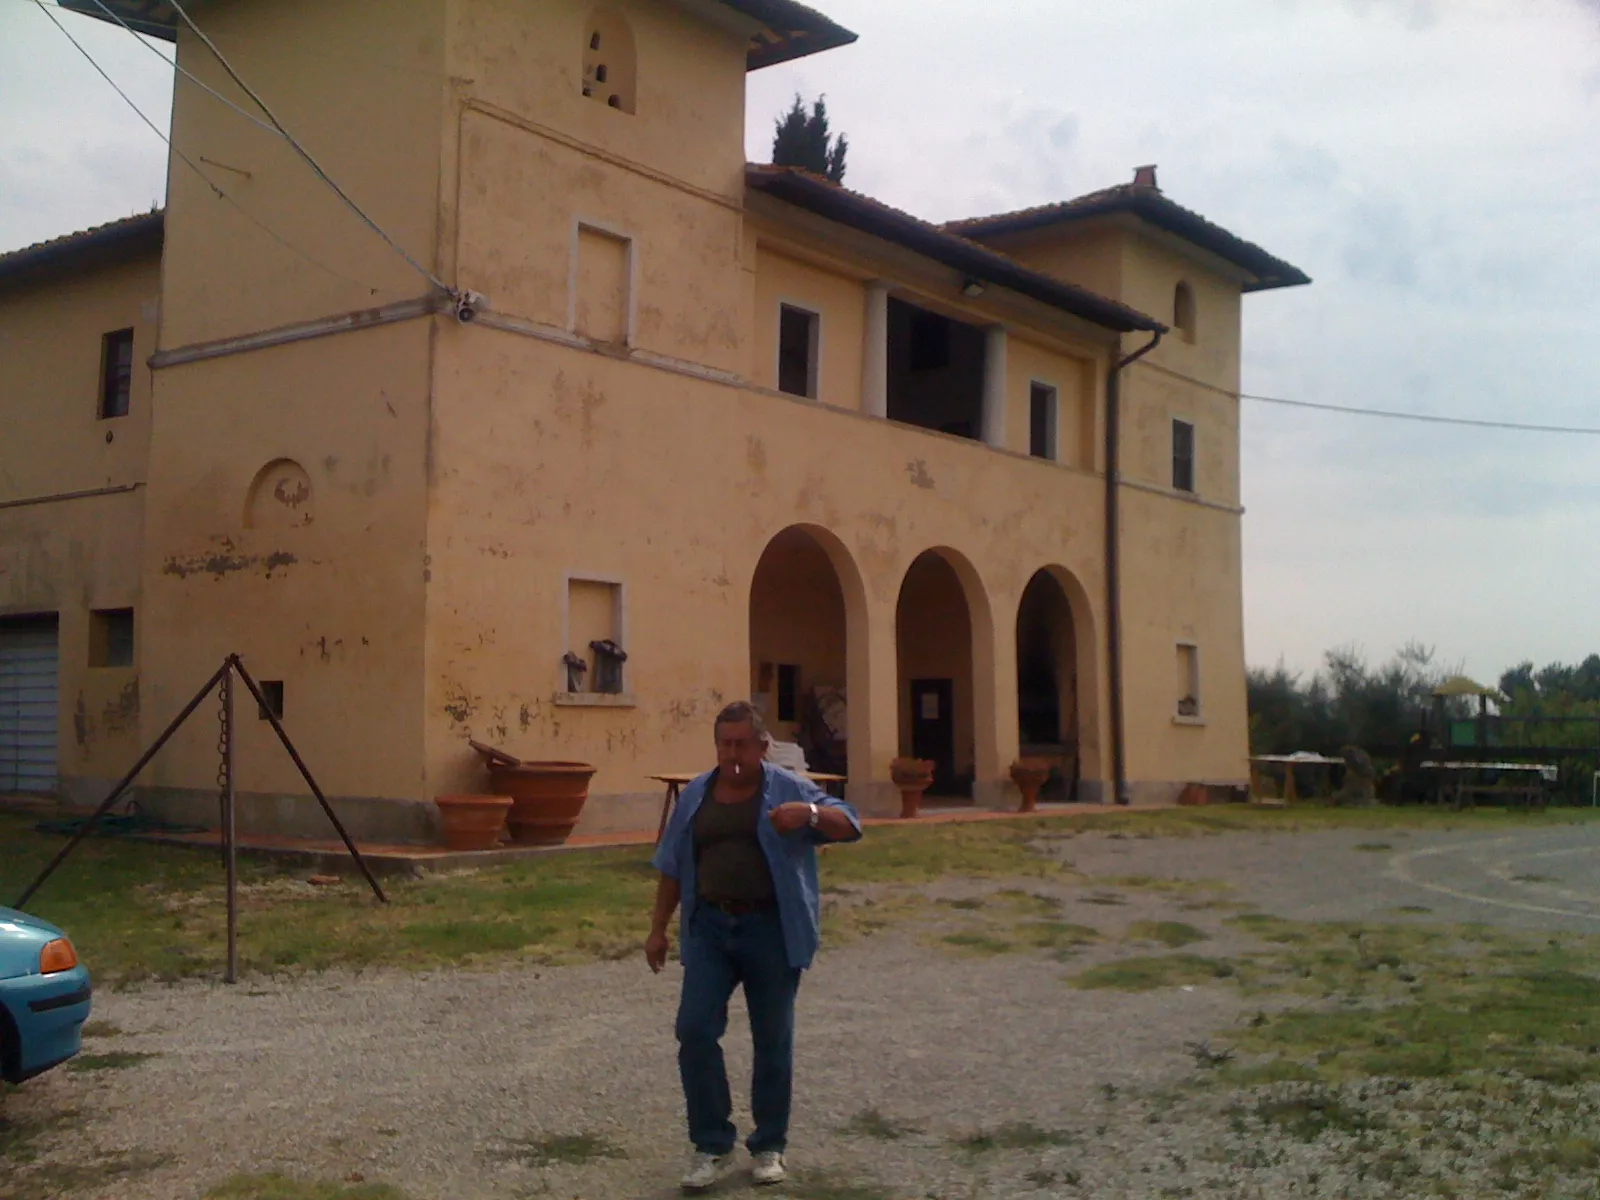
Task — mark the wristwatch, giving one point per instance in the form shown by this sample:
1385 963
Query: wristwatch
816 814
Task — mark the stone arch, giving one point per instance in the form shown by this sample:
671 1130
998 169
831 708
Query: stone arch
610 65
945 653
280 497
1058 709
808 621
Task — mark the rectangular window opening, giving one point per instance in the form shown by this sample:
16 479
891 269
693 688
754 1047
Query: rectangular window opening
111 637
594 637
788 692
1042 421
1188 679
603 286
799 342
1183 456
272 693
936 368
116 373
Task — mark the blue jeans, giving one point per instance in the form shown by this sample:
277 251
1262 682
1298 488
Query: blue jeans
719 953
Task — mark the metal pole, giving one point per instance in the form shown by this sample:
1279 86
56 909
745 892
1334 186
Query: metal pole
229 842
305 773
122 786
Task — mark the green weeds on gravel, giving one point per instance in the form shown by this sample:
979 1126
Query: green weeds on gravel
1157 971
869 1122
1172 934
113 1060
1015 1135
572 1149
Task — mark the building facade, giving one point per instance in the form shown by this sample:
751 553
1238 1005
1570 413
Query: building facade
606 428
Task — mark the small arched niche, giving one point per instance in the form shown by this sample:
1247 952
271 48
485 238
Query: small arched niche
610 73
280 497
1183 311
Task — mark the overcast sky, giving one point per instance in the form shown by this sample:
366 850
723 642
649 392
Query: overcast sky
1432 164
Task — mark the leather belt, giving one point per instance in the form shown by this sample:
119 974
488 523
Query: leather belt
740 908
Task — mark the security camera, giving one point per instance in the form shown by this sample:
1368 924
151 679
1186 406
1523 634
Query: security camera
469 305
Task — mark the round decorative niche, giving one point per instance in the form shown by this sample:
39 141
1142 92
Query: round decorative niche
280 497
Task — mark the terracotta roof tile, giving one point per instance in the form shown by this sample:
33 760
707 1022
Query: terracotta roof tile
113 235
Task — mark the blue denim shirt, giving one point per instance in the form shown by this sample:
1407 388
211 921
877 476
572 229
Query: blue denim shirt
791 857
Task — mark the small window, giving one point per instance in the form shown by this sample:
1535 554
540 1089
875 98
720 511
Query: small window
111 637
1188 680
272 693
608 60
594 635
788 692
799 338
116 373
1042 421
1183 311
1183 456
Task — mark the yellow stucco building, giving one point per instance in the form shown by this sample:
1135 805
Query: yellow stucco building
602 386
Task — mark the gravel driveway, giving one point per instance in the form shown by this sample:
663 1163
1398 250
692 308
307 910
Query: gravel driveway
440 1083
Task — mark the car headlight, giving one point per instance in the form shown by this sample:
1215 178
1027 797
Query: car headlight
57 956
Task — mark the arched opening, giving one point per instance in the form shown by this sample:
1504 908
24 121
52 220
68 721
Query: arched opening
609 66
802 642
1183 311
937 676
1047 682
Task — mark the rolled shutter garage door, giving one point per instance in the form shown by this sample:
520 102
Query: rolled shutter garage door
28 704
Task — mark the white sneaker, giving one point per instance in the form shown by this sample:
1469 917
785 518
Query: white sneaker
704 1171
767 1167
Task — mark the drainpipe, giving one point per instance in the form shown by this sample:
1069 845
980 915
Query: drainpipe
1119 757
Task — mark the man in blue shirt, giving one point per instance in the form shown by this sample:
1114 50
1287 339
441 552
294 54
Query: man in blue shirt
740 855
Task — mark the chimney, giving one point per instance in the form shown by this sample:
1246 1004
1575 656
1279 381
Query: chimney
1145 177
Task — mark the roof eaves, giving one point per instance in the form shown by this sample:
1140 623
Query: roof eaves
129 233
832 202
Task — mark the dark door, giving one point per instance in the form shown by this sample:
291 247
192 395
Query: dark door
933 729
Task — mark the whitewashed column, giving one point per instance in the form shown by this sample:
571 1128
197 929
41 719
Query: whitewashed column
875 353
994 387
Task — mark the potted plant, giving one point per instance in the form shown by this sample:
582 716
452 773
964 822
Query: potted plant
912 776
472 822
1030 774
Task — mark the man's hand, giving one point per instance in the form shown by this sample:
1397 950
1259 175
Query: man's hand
786 818
655 949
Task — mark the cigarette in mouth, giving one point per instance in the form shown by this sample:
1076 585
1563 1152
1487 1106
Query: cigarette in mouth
736 769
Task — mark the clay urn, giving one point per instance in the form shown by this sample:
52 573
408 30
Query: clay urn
1029 774
472 822
547 798
912 776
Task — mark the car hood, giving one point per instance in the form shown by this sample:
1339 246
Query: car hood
21 937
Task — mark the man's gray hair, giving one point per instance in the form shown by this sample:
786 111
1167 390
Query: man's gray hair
738 713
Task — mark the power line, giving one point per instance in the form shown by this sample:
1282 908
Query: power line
1386 413
190 163
305 154
185 72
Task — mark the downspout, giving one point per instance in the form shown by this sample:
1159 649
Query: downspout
1119 756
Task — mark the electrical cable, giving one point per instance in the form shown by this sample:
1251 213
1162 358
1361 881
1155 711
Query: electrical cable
1390 414
187 161
306 155
185 72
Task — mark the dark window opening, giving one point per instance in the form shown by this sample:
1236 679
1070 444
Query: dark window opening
111 637
594 41
935 370
1183 456
1183 311
788 692
1042 421
798 336
272 693
600 73
116 373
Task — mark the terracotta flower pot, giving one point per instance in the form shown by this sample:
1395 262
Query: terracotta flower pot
472 822
547 798
1029 774
912 776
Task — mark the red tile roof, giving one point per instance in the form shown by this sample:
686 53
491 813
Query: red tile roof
130 233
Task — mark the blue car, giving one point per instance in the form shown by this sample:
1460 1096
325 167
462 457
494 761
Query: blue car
44 996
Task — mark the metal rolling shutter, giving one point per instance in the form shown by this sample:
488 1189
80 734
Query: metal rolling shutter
28 704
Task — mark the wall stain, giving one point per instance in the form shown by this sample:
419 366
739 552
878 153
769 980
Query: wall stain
524 718
224 562
755 456
80 724
459 705
918 470
122 714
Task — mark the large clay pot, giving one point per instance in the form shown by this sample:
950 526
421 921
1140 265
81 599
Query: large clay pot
1029 774
912 776
472 822
547 798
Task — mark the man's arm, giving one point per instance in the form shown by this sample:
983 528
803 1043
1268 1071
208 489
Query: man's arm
836 820
668 892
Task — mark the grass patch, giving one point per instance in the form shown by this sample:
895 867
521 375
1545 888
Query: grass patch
971 902
1534 879
112 1060
977 943
284 1187
1308 1114
1107 899
1374 847
1172 934
50 1181
1015 1135
1158 971
18 1135
870 1122
1413 909
573 1149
